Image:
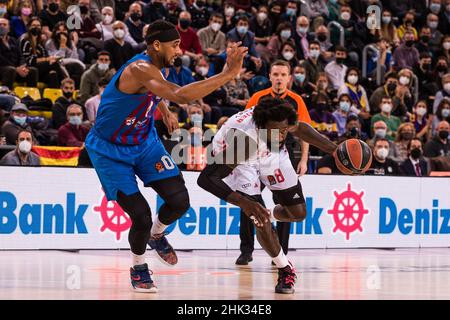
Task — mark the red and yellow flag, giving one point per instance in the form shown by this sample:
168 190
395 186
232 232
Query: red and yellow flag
58 156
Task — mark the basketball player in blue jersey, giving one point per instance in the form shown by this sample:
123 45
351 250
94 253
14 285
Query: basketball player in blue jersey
124 144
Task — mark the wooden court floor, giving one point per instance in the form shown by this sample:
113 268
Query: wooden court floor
212 274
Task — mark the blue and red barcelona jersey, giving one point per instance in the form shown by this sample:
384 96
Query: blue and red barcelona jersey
124 118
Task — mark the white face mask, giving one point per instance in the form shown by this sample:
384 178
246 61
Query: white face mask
382 153
107 19
229 11
103 66
345 16
447 45
380 133
288 55
447 87
203 71
421 111
352 79
404 80
25 146
262 16
215 26
386 107
119 33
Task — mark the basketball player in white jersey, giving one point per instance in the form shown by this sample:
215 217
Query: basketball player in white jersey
249 148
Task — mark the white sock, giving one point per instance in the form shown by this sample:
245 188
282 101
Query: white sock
272 216
138 259
158 227
281 260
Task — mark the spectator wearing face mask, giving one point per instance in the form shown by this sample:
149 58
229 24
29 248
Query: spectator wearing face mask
155 10
282 35
421 121
442 114
321 118
382 165
427 83
443 94
424 41
327 49
290 12
314 64
353 130
352 87
342 112
73 133
261 26
436 35
22 16
407 26
17 121
51 16
199 13
379 131
388 29
288 54
439 145
121 50
91 77
190 43
405 133
414 165
230 21
405 93
406 56
301 85
59 108
336 70
134 22
388 89
22 155
96 8
212 40
315 10
109 25
385 115
302 36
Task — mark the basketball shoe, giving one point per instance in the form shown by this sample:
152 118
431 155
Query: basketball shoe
141 279
286 280
163 249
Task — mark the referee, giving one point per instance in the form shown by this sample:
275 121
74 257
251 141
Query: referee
280 75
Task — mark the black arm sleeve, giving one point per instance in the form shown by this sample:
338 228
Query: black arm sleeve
211 177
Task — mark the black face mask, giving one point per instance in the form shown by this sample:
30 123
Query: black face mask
67 94
425 39
354 132
35 31
177 62
441 68
416 153
53 7
391 87
3 31
321 37
84 9
407 135
443 134
184 24
409 43
340 60
321 107
200 3
135 16
426 66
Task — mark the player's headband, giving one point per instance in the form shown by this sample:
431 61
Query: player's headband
163 35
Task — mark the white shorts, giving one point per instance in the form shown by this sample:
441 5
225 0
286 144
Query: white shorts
274 170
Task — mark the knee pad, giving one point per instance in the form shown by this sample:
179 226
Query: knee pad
179 202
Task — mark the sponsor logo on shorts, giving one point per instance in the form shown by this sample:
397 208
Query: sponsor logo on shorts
130 121
272 180
159 167
247 185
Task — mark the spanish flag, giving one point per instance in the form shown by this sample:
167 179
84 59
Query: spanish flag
58 156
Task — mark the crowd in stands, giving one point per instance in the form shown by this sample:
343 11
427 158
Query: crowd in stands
383 79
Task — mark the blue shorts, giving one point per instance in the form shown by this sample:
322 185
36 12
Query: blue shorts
118 165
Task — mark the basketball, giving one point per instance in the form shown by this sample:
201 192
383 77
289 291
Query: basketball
353 156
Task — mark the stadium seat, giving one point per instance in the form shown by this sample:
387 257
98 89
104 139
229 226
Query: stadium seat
76 93
52 94
27 91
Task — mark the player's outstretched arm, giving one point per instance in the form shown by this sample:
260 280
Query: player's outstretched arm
310 135
151 78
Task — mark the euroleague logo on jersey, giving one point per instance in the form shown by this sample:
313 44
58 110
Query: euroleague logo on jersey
348 211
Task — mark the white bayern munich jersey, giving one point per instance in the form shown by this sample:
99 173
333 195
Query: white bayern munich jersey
274 169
